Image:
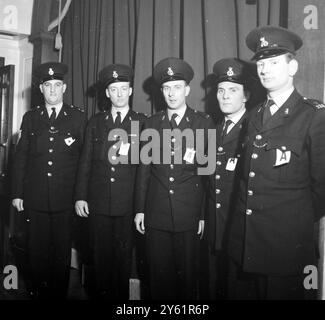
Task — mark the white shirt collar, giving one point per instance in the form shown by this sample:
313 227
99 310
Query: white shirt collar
281 98
236 117
123 111
180 112
57 107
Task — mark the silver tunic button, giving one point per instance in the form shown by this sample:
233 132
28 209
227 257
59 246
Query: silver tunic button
249 212
252 174
218 205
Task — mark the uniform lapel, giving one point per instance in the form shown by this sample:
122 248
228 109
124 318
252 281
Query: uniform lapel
64 115
257 118
43 115
280 117
235 131
186 120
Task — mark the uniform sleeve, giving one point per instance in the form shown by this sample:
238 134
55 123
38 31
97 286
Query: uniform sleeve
142 180
206 178
84 166
317 161
20 160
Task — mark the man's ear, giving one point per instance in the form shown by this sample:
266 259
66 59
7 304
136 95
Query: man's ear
107 93
41 87
64 87
187 90
293 67
130 91
247 95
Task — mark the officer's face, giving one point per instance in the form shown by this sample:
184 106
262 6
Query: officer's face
175 93
231 97
119 93
53 91
276 73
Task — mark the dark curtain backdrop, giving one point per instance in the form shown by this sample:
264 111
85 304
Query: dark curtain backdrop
141 32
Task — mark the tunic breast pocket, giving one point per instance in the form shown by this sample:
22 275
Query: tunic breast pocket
34 142
68 142
288 164
99 149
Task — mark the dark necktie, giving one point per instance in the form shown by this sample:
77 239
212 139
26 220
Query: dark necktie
225 129
172 121
118 119
267 111
53 116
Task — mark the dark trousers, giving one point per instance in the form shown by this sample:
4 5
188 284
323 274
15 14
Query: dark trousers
172 264
251 286
112 248
218 274
49 252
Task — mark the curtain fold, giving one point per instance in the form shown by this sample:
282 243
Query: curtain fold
142 32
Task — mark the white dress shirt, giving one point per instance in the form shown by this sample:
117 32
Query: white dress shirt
123 111
180 114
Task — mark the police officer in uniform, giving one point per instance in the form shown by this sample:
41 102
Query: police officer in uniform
44 173
283 183
170 195
105 184
232 80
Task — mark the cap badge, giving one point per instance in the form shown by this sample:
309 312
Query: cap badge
264 43
170 71
230 72
115 74
51 72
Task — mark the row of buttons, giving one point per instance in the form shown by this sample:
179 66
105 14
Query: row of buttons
252 175
50 163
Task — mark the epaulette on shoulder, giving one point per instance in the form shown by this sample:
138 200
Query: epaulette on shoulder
77 108
157 114
202 114
37 108
314 103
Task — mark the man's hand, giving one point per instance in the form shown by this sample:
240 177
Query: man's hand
139 222
18 204
81 208
201 228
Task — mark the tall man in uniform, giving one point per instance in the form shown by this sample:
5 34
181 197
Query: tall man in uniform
232 80
44 174
282 188
105 184
170 196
